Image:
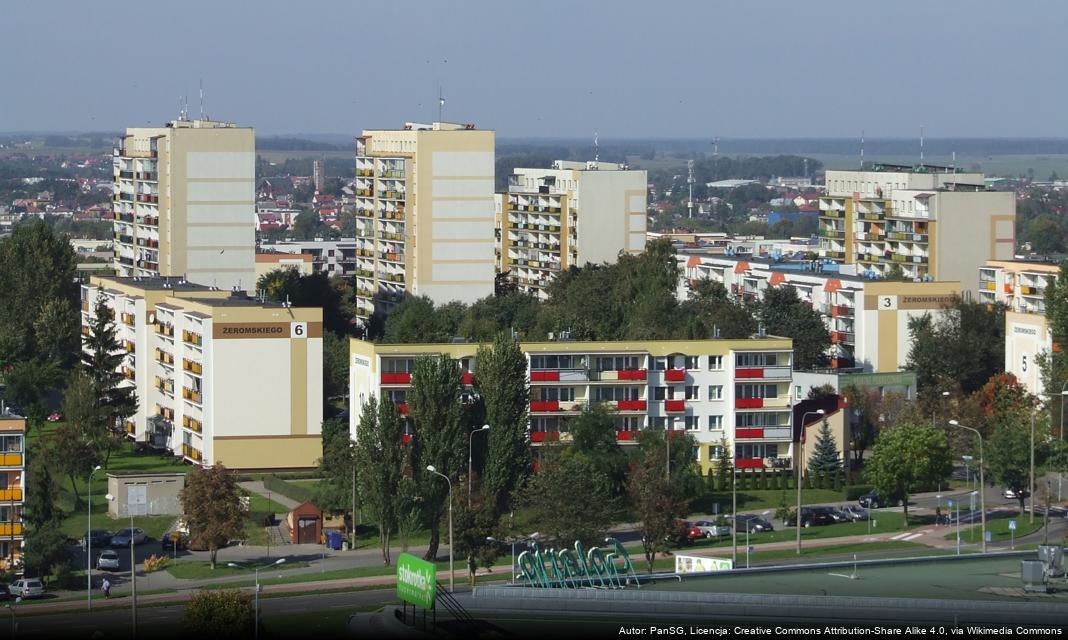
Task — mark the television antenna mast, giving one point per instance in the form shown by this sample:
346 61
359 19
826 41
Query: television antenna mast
861 149
690 181
202 98
596 151
441 105
715 146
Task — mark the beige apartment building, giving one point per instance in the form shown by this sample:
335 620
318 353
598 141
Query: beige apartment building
424 214
185 201
220 378
12 488
934 222
1021 286
571 214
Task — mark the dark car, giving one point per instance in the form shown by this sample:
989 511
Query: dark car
752 524
98 537
816 516
872 500
173 541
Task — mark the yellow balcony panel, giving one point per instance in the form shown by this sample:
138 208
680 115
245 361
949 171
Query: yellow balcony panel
11 459
10 529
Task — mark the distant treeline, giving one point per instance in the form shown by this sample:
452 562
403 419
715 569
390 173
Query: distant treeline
275 143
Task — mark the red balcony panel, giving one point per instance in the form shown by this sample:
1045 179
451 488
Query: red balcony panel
748 403
467 378
632 374
406 438
544 376
674 405
544 405
675 375
402 408
632 405
396 378
749 373
542 436
626 435
749 463
749 433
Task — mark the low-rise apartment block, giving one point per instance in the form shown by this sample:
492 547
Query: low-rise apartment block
221 378
330 257
571 214
1021 286
736 391
12 489
934 222
868 319
184 203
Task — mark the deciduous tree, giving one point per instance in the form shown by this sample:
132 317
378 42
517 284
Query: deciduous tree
908 458
212 509
379 458
568 500
783 314
657 502
501 384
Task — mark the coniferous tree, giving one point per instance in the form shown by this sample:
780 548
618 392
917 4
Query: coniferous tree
501 383
102 362
724 466
825 459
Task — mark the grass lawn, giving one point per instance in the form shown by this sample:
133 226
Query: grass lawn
750 500
201 569
882 522
999 528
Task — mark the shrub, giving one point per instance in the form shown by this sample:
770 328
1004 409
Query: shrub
855 491
155 563
217 614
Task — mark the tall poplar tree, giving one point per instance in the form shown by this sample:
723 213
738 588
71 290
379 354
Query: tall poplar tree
501 383
379 457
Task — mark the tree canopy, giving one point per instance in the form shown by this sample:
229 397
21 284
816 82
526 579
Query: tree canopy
907 458
965 342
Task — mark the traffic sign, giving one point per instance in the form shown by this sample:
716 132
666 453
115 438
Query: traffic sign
1012 525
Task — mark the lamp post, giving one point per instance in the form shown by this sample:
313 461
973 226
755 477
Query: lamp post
452 570
353 547
257 594
1031 484
14 621
982 483
88 544
133 563
668 430
470 468
799 462
1064 392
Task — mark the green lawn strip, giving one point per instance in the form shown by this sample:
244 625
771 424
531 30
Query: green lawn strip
882 522
117 600
201 569
753 499
999 528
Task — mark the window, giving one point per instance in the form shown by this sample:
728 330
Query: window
662 393
715 363
11 444
660 363
756 359
659 423
715 392
691 393
627 423
697 454
715 423
692 362
761 419
545 424
756 391
610 394
396 396
566 394
798 392
617 363
756 450
398 365
566 361
693 423
714 451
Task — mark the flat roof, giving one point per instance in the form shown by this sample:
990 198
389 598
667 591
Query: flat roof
235 301
156 283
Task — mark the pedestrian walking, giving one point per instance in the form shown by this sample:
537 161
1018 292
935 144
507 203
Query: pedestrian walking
106 588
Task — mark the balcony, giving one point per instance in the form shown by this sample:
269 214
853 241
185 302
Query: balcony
467 377
748 433
192 424
192 453
674 406
544 376
749 463
632 374
165 329
396 378
164 357
842 337
542 436
544 405
626 436
631 405
10 459
748 403
13 494
675 375
193 338
10 529
402 408
129 427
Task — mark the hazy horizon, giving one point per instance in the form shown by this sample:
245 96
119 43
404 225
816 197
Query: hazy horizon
765 69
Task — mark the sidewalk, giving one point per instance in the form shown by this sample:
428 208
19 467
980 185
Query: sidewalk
256 486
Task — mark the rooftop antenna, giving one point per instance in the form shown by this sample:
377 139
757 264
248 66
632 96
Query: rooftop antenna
862 150
921 145
596 151
954 162
202 98
441 105
689 181
715 146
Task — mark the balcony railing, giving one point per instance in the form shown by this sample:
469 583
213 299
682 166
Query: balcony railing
192 367
544 405
193 338
165 329
674 406
192 424
675 375
192 453
396 378
192 395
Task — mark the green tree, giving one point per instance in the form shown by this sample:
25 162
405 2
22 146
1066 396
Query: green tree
593 443
1008 455
73 455
783 314
335 366
724 466
550 497
1046 235
501 383
709 309
41 508
964 342
223 613
435 409
46 549
334 492
85 417
379 457
825 462
908 458
101 361
415 320
212 509
657 502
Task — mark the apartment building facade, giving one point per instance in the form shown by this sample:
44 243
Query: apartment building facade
330 257
12 489
571 214
868 319
424 215
184 203
1021 286
220 378
733 391
933 222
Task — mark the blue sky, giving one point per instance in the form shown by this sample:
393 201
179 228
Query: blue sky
754 68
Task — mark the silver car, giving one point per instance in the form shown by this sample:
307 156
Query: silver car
122 538
27 588
711 529
108 559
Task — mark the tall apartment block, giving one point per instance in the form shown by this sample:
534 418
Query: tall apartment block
220 378
1021 286
424 215
868 319
185 203
12 488
933 222
736 391
571 214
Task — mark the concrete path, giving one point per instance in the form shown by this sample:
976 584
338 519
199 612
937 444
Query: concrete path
257 487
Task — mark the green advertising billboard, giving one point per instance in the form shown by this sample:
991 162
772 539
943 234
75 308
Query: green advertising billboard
416 581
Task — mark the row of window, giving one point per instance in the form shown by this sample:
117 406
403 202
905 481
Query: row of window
617 363
689 423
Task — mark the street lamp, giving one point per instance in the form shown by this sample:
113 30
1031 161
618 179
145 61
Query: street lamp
799 462
1031 484
934 412
452 570
1064 392
257 595
133 562
89 545
982 483
14 622
470 442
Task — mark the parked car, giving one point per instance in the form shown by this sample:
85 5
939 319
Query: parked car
174 541
708 529
27 588
855 513
752 524
108 559
55 416
815 517
1012 494
122 538
872 500
98 537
